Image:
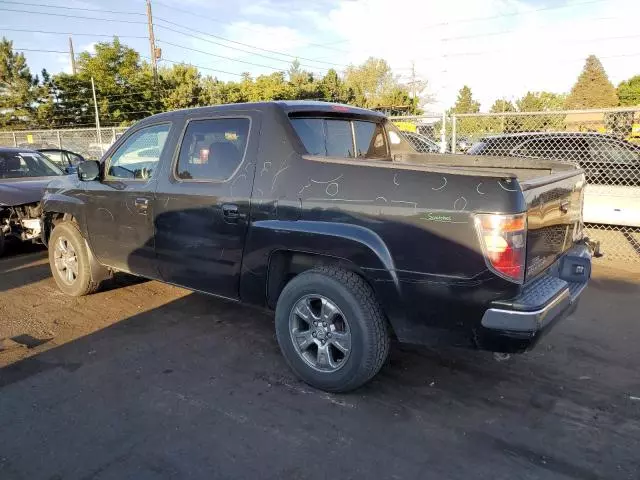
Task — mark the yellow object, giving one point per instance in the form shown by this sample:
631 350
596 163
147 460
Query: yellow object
29 138
406 126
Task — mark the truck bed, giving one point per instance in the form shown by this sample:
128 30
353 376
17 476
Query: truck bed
522 168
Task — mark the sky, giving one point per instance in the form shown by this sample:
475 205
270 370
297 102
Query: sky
500 48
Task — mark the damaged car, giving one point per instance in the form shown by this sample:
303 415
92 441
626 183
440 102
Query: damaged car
24 174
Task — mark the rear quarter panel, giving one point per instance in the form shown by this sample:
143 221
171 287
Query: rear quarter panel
409 229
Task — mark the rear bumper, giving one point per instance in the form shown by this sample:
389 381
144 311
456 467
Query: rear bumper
517 324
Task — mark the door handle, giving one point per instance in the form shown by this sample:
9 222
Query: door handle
142 205
231 213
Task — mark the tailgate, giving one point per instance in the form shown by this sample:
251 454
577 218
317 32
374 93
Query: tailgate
554 217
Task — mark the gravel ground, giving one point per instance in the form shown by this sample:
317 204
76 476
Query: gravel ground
150 381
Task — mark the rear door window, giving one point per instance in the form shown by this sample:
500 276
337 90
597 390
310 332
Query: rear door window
213 149
342 137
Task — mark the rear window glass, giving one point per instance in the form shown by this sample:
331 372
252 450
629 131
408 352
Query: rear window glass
370 141
26 164
335 137
338 139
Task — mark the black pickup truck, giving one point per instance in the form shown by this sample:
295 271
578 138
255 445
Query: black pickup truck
327 215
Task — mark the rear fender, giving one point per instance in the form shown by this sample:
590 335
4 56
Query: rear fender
351 245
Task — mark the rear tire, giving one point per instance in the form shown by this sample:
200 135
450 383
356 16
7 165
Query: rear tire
69 261
1 242
331 329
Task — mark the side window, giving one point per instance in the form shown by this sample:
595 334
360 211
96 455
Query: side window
74 159
558 148
138 157
56 157
611 151
335 137
370 140
212 149
339 138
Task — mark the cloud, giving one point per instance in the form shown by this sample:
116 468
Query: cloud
515 48
269 39
88 47
262 8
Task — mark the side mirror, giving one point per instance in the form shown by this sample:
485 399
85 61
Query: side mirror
88 170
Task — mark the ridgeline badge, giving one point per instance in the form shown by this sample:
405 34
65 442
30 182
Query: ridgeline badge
434 217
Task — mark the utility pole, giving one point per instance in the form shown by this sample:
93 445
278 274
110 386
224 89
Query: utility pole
152 43
413 84
72 56
95 104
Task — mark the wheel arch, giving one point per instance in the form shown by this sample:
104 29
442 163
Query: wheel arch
304 245
59 207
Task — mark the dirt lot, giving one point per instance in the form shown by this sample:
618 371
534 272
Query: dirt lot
148 381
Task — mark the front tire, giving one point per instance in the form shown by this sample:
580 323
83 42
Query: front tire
331 329
69 261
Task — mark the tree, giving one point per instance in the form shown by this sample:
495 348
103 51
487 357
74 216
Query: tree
501 106
181 85
370 82
465 102
331 88
271 87
593 88
124 86
629 92
504 124
18 88
541 102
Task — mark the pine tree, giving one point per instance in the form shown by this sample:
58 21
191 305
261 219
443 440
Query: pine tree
17 87
593 88
465 102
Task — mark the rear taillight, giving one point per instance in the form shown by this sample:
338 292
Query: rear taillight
504 242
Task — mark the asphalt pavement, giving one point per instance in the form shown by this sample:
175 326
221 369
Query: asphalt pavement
149 381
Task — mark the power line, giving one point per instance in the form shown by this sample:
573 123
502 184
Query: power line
38 50
72 16
506 32
288 62
197 15
200 67
513 14
248 45
218 56
62 7
170 23
111 35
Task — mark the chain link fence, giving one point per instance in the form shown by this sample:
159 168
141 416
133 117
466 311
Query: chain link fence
424 132
605 143
84 141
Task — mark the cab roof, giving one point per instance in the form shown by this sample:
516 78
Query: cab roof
303 107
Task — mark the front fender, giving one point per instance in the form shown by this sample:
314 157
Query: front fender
62 203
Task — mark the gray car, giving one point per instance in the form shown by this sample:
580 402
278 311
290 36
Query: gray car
24 174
